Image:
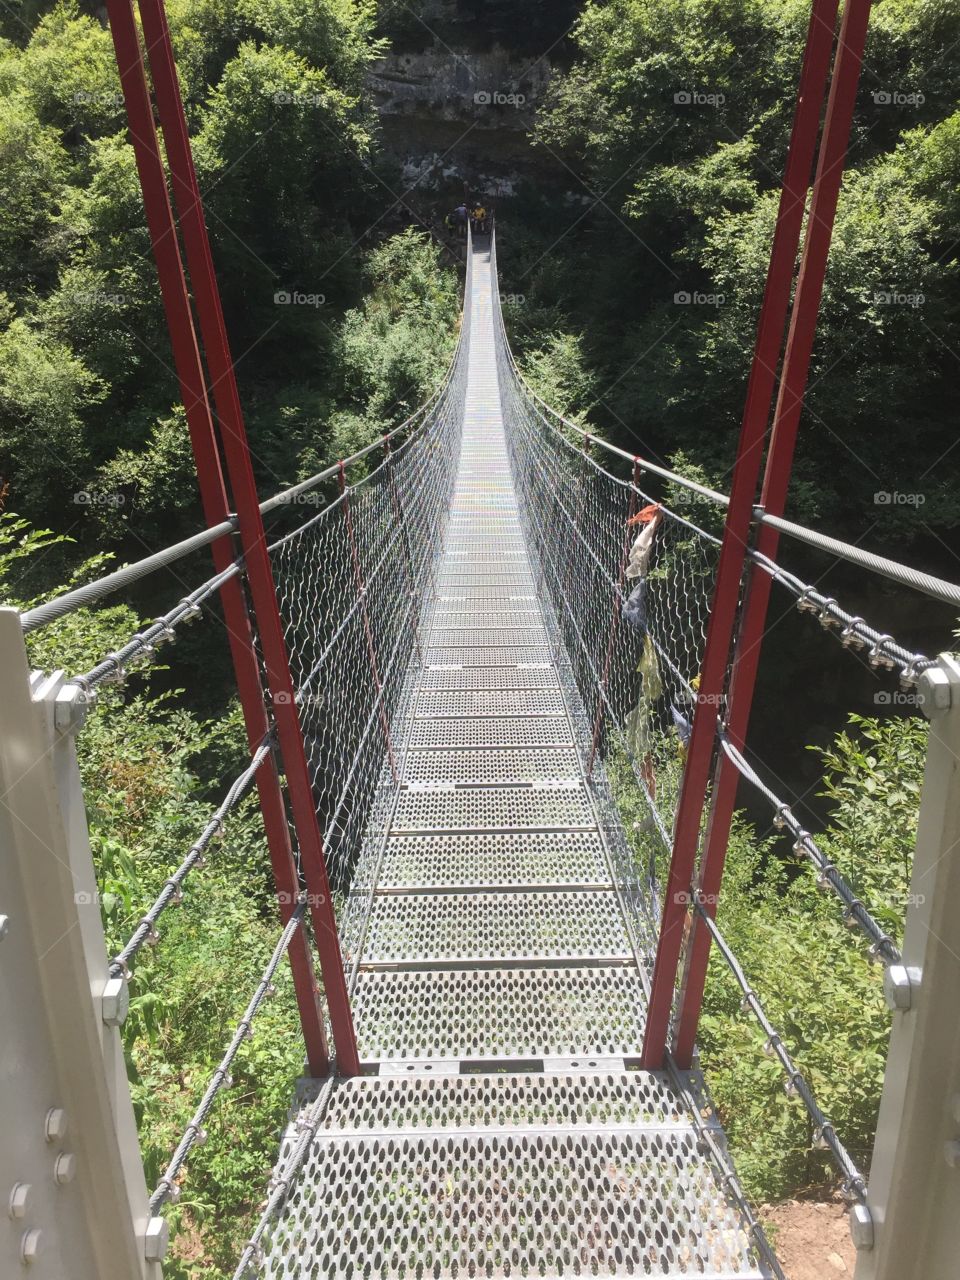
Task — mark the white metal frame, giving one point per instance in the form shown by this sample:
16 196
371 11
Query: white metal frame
71 1176
913 1227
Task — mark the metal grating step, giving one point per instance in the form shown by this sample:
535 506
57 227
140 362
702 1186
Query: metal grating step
483 637
530 858
483 612
463 597
491 766
538 807
368 1105
491 702
492 1014
489 731
540 677
517 579
426 929
502 656
508 1205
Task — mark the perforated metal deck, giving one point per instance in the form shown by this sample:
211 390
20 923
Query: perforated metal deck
497 994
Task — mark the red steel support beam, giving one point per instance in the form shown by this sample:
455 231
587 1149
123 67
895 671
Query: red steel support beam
723 613
189 371
263 593
746 657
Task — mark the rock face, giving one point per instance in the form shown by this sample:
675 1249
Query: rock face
490 90
461 115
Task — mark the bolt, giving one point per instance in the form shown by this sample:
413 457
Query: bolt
55 1125
899 981
951 1151
19 1201
156 1239
70 707
933 689
30 1245
4 927
64 1168
861 1228
115 1001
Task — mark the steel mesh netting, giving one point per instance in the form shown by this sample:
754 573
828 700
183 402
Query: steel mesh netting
634 633
351 584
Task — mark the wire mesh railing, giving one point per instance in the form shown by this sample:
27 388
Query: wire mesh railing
630 580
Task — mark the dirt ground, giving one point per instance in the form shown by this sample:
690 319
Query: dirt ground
811 1238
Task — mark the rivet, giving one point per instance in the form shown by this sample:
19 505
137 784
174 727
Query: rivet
4 927
64 1168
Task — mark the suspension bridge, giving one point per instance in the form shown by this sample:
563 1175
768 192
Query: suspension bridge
468 656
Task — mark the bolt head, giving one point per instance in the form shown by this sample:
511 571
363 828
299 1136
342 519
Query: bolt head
4 927
951 1151
156 1239
64 1168
19 1201
31 1244
861 1227
899 983
55 1125
115 1002
933 689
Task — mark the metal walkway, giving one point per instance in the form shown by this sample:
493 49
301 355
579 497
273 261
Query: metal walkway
503 1130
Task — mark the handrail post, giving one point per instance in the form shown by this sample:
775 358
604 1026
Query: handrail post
912 1227
70 1157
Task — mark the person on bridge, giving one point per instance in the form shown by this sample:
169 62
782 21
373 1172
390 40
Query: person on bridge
460 217
479 218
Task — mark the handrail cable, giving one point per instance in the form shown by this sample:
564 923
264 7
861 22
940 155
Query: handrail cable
167 1188
854 1182
855 914
172 891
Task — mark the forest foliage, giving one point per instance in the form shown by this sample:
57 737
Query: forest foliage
671 127
678 201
